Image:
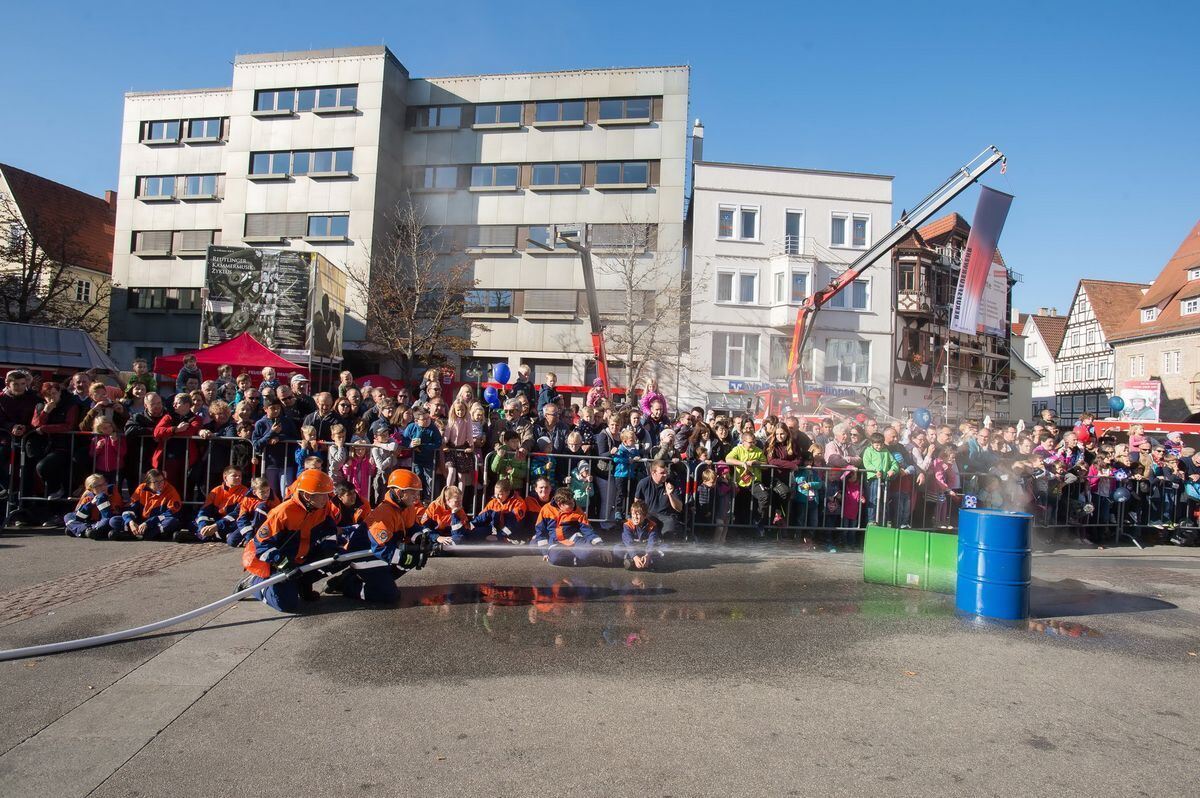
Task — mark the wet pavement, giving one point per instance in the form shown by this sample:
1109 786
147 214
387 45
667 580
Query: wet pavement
735 673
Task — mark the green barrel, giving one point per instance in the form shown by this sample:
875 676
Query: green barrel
910 558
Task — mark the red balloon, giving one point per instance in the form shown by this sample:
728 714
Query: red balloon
861 417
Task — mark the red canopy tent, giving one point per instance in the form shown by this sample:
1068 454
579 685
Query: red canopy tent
243 352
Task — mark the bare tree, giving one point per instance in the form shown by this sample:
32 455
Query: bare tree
646 320
39 263
414 289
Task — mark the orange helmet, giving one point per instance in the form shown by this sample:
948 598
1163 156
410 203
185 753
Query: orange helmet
313 481
404 479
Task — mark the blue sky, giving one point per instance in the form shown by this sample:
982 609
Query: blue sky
1096 104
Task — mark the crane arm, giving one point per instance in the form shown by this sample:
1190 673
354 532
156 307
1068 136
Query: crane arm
909 222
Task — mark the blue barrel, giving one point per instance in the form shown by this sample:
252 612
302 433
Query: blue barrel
994 563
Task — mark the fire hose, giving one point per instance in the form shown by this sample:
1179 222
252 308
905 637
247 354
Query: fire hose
137 631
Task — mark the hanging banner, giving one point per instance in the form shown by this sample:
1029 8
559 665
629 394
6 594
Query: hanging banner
993 311
977 258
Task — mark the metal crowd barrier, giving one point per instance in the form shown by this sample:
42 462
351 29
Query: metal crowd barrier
824 504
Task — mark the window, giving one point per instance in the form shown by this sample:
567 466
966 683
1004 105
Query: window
204 129
275 101
1031 349
622 236
439 116
16 236
1091 335
1189 307
860 231
488 300
200 186
540 233
557 174
152 241
1149 314
1075 338
493 236
737 287
270 163
161 132
1172 361
847 360
159 187
837 230
332 226
854 297
550 301
498 114
1102 370
1137 365
323 162
1091 370
799 286
1193 274
498 176
195 241
163 299
1078 373
734 355
83 290
748 230
629 110
725 222
566 111
434 178
793 232
274 226
330 98
780 282
627 173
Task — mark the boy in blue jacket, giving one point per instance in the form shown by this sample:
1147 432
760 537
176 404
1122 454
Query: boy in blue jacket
548 395
425 439
270 437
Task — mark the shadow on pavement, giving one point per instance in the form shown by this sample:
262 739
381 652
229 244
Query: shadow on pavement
1072 597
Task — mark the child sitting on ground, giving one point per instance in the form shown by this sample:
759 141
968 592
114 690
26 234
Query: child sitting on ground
218 517
93 516
502 516
252 511
154 508
639 549
563 530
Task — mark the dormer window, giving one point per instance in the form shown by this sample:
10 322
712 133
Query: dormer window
1149 315
1194 274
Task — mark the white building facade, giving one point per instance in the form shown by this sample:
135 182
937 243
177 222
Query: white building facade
760 239
1042 335
314 151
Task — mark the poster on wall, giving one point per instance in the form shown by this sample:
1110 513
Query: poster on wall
327 310
1142 400
264 292
993 311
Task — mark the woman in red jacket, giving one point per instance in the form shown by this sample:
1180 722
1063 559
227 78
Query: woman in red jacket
54 419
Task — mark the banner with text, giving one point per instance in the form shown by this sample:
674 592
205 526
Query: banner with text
977 259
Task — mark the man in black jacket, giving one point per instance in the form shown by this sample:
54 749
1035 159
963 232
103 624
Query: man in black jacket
323 418
139 434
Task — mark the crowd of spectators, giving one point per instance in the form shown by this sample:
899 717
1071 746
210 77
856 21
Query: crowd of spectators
817 477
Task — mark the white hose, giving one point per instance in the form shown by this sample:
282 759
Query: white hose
128 634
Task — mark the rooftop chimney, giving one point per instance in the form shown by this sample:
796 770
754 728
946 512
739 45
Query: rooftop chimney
110 197
697 141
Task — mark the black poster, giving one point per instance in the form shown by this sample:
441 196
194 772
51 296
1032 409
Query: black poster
264 292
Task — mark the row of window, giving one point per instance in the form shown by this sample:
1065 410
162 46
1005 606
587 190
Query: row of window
736 356
276 226
501 301
741 223
1172 364
741 288
187 187
195 131
454 238
1187 307
511 177
316 163
1094 370
312 98
610 110
163 243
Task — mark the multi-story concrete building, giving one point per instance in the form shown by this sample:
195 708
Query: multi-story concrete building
1042 335
760 238
1159 338
315 150
1086 372
56 255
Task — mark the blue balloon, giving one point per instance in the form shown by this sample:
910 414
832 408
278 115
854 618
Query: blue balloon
501 373
1121 494
492 397
1116 404
922 418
